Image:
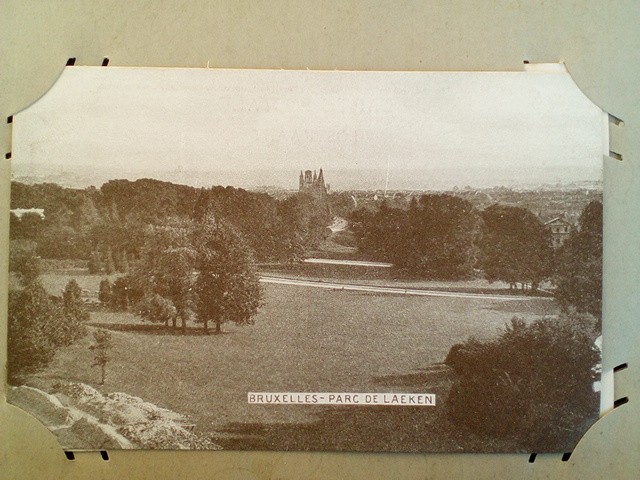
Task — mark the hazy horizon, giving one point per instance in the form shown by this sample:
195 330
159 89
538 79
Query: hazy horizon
339 179
255 127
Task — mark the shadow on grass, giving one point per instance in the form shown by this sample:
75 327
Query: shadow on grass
343 428
431 376
360 428
153 329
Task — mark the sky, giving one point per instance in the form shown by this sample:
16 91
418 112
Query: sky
491 127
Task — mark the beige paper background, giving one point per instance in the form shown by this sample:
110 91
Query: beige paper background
598 41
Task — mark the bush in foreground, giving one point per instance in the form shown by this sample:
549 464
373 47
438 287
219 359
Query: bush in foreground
38 326
533 384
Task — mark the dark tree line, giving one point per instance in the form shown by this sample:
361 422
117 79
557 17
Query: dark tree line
434 238
445 237
105 226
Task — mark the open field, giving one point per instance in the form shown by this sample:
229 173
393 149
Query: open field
303 340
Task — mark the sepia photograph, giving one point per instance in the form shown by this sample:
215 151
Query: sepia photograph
299 260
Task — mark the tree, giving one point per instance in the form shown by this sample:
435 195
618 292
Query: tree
441 233
227 285
166 267
59 241
101 349
28 347
28 226
579 266
514 246
15 227
123 262
72 302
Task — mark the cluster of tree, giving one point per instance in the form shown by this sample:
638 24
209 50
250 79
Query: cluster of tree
433 238
515 246
39 323
445 237
532 384
106 225
190 271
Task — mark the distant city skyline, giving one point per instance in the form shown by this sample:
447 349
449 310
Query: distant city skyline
429 130
338 180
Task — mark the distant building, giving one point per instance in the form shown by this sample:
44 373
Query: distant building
560 230
313 183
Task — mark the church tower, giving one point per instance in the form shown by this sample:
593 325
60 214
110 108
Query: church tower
312 182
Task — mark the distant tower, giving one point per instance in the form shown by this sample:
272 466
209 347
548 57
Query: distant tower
313 183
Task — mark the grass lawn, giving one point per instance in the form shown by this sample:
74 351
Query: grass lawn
303 340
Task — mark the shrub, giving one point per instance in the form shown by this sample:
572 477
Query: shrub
533 384
24 262
72 302
105 292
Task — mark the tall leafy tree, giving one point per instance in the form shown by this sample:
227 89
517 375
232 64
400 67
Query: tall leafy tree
441 234
167 267
579 269
533 384
227 285
29 226
515 246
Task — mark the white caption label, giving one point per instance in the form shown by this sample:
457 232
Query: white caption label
326 398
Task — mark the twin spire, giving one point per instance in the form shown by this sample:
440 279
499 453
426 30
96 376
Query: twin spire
312 180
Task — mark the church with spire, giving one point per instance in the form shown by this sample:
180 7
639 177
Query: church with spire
313 182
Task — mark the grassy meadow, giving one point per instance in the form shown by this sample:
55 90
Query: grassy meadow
304 339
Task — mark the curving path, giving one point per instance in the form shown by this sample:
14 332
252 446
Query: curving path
392 290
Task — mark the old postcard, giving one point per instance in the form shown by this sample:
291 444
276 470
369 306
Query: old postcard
307 260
